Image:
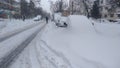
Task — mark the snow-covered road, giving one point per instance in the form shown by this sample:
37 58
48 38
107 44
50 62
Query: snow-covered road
8 32
39 55
81 45
11 47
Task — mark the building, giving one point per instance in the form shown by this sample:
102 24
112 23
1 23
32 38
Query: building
7 9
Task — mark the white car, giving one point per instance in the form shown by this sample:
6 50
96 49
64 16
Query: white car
62 22
37 18
118 21
104 20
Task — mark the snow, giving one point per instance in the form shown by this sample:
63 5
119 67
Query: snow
110 28
2 23
45 4
39 55
15 26
10 44
61 20
83 45
37 18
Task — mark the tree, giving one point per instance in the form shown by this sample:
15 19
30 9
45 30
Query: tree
10 1
31 9
72 7
86 7
95 13
59 6
38 11
114 3
24 8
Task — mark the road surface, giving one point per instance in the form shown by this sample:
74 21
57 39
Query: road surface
15 32
9 58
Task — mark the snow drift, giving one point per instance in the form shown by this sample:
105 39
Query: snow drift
82 45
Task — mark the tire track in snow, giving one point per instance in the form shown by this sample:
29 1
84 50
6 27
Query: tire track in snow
56 59
8 59
15 32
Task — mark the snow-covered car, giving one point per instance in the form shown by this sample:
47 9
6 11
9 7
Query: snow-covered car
104 20
113 20
118 21
37 18
62 22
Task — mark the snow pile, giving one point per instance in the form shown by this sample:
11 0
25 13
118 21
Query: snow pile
81 24
82 45
106 28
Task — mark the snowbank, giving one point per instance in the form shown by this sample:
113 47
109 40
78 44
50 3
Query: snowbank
108 29
82 45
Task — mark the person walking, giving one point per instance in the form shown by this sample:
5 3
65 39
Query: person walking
46 19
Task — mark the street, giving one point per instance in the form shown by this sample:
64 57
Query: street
9 57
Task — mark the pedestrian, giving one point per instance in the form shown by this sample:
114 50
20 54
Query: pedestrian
23 17
46 19
92 23
53 17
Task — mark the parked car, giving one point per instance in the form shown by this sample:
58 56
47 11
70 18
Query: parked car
61 21
104 20
118 21
37 18
113 20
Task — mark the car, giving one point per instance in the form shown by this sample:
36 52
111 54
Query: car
37 18
103 20
62 22
113 20
118 21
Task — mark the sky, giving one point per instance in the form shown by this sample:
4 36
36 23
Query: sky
45 4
